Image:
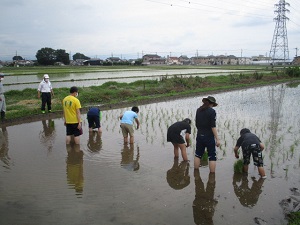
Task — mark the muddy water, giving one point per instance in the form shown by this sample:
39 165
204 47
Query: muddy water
104 182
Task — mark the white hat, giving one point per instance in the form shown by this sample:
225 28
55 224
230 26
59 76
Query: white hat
46 76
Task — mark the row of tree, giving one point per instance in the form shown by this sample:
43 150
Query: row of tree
48 56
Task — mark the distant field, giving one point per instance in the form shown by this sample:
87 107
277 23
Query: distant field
80 69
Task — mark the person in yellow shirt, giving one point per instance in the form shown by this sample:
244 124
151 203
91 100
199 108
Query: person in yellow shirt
71 110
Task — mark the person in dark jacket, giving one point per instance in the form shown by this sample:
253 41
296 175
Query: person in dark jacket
207 136
94 116
178 134
251 145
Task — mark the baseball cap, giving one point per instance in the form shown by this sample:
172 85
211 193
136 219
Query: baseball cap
46 76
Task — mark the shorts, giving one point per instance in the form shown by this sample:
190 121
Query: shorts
94 121
253 149
175 138
127 129
202 142
72 129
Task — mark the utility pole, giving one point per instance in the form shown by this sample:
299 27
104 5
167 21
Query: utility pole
242 56
296 51
279 49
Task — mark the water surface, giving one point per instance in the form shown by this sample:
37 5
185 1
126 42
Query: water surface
42 181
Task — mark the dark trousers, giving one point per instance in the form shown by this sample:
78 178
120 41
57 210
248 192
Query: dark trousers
46 98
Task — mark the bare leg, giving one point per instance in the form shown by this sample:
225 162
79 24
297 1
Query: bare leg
90 129
183 151
176 152
261 171
196 163
245 168
100 130
212 166
77 140
131 140
125 140
68 139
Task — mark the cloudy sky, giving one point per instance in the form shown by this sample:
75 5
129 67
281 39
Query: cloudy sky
130 28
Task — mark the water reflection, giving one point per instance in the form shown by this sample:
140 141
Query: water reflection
178 176
248 197
276 96
4 148
94 143
75 168
48 135
128 162
204 203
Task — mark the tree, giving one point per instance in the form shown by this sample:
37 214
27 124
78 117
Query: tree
62 56
138 62
46 56
80 56
17 57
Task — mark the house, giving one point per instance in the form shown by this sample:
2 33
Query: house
201 60
184 60
153 59
23 62
172 60
114 60
296 60
93 62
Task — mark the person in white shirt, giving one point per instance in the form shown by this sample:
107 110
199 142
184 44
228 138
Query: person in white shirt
45 88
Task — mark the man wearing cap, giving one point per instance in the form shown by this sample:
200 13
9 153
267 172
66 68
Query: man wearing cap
45 88
2 98
251 145
207 136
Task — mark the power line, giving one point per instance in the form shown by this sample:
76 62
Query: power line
221 10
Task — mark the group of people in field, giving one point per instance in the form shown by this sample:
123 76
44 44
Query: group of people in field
178 133
207 139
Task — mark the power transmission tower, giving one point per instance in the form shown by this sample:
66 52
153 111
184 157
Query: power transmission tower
279 49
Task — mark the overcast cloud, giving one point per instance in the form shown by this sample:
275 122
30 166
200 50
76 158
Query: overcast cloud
130 28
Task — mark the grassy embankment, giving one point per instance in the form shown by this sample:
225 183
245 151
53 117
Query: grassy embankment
24 103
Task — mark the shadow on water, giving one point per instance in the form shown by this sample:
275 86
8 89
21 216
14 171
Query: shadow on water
4 148
75 168
94 143
248 196
48 135
178 176
128 161
204 204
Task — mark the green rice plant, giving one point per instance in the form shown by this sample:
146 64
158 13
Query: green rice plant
294 218
205 156
238 166
292 149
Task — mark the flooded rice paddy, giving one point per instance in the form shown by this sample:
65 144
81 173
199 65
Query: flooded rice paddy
16 82
106 182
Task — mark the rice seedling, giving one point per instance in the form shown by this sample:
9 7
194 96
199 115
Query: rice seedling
238 166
